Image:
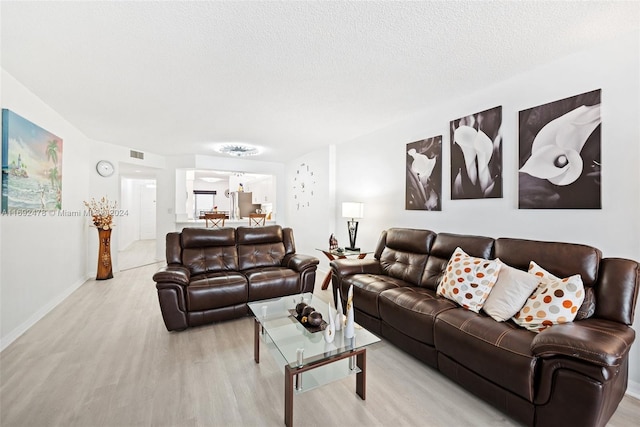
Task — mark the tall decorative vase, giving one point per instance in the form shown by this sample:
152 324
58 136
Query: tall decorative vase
330 330
104 255
349 328
339 314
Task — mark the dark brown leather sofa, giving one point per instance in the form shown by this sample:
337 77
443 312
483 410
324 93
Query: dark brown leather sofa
211 274
572 374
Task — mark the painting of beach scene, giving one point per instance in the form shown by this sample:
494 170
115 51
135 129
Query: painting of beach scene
31 166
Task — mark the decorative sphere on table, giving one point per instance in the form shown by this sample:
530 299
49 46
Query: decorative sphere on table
314 318
300 307
307 310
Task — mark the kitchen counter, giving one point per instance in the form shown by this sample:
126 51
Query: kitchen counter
200 223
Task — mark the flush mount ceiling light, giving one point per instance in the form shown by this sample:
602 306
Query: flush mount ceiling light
238 150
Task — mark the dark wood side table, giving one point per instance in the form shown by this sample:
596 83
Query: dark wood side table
333 254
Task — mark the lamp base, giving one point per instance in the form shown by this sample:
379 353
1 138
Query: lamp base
352 249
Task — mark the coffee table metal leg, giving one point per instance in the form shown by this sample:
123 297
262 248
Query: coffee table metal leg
289 375
256 341
361 377
293 380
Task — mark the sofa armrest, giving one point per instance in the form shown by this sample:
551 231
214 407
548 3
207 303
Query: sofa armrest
172 274
346 267
598 341
299 262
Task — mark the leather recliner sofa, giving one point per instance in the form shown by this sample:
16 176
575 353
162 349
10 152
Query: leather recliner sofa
211 274
570 374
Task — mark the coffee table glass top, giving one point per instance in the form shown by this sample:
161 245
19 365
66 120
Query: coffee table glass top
344 252
290 337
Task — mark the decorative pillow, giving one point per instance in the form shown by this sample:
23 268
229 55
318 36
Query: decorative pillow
555 301
468 280
510 292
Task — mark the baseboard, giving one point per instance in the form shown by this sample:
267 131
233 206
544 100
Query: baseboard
633 389
33 319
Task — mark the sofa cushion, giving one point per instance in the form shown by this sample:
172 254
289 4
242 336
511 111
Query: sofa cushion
258 235
271 282
367 289
405 253
442 249
214 290
468 280
510 292
497 351
555 301
412 310
201 260
560 259
204 238
260 255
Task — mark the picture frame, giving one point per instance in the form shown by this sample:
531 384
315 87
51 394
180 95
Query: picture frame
31 166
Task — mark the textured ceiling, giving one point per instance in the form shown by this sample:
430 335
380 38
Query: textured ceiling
177 77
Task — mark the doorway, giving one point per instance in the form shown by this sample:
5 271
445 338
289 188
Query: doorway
137 224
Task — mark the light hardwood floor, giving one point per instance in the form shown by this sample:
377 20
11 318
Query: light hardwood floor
104 358
137 254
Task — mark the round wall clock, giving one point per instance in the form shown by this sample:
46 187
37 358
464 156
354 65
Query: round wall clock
303 186
105 168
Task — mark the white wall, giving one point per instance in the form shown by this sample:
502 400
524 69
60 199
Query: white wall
43 258
312 225
372 168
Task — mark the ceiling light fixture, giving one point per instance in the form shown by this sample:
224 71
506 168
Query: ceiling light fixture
238 150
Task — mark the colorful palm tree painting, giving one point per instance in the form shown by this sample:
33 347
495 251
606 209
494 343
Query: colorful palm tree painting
476 155
560 154
31 166
424 175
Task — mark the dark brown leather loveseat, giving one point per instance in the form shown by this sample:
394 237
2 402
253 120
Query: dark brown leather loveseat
571 374
211 274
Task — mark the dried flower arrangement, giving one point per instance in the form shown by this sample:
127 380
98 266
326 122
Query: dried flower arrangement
101 212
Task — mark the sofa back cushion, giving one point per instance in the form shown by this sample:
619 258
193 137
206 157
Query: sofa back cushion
173 249
559 259
209 250
444 246
261 246
617 290
405 253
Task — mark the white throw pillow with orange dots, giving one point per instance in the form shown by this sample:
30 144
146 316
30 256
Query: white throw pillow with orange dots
555 301
468 280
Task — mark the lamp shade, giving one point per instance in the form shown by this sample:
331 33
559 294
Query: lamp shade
352 210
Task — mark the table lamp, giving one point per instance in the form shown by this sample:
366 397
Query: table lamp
352 210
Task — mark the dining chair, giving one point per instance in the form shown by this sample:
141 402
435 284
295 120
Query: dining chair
257 220
214 220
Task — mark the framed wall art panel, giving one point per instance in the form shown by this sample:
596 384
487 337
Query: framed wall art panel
31 166
424 175
476 155
559 158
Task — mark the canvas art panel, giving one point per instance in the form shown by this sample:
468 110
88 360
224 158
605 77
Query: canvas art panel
424 175
31 166
476 155
559 158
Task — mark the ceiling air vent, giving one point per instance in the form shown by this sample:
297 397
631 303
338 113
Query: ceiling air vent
137 154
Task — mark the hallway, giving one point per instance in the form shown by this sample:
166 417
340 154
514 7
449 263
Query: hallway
138 254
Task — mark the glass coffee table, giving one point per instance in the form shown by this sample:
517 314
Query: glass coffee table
309 361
